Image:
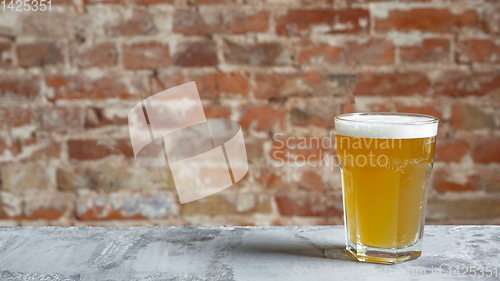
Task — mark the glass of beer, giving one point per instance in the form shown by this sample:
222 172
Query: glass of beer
386 160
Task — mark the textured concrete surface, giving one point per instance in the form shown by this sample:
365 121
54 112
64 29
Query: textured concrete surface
231 253
281 68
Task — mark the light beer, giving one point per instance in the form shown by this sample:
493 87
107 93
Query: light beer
386 160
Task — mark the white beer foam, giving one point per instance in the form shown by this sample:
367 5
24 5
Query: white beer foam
386 126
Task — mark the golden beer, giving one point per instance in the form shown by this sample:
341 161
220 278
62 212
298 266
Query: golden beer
386 160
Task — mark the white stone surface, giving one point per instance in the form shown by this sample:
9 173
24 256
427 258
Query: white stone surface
231 253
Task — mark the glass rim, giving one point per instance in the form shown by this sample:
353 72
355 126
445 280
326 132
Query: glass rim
430 119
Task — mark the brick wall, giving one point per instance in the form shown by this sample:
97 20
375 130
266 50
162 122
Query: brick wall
68 78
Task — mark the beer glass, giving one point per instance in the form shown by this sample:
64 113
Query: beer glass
385 160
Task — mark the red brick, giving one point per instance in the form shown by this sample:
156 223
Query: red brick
233 83
451 150
284 85
217 112
478 50
348 108
467 117
270 178
216 84
61 118
5 49
153 2
431 50
3 214
87 150
193 22
308 204
99 55
391 84
375 51
113 86
251 2
211 2
15 116
162 81
315 2
318 54
207 85
313 77
94 149
159 81
443 186
368 1
96 117
62 2
44 213
487 151
301 22
312 180
428 110
194 54
263 117
94 2
146 55
212 85
302 149
39 54
263 54
276 85
20 87
427 20
464 83
376 106
319 113
100 213
140 22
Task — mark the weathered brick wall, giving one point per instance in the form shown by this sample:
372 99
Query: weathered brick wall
68 78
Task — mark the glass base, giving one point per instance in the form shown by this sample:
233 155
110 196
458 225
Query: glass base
385 256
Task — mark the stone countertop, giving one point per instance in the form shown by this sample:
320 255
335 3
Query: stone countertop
232 253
